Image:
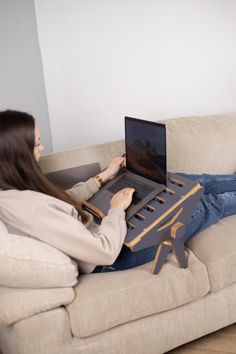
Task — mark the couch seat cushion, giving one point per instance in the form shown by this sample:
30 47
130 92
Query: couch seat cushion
216 248
106 300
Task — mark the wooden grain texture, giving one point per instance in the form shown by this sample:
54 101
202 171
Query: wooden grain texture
220 342
193 351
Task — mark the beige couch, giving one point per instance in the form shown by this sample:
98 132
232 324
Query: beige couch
46 308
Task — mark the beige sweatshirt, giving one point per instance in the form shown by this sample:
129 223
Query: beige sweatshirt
55 222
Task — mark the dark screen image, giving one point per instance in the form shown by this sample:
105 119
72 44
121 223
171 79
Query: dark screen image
146 149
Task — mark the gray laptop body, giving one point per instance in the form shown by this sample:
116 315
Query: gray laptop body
145 144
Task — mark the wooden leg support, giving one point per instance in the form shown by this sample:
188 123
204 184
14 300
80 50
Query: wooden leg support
173 243
163 250
178 249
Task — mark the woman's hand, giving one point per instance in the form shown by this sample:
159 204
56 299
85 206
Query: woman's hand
113 168
122 199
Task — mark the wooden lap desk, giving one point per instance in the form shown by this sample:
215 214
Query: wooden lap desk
162 221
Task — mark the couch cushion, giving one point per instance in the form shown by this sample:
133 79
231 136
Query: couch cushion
28 263
102 153
106 300
216 248
17 304
194 144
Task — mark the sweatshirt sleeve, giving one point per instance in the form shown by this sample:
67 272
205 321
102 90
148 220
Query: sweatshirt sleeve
83 190
57 225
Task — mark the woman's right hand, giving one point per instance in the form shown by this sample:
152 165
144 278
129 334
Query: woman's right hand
122 199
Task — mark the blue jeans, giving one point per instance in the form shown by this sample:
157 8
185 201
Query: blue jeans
218 201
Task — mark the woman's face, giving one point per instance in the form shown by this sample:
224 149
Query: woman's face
38 147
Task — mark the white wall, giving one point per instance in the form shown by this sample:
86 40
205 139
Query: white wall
150 59
21 75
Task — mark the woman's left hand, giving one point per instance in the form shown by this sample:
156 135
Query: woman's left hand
113 168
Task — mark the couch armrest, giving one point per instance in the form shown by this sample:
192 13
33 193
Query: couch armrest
17 304
101 153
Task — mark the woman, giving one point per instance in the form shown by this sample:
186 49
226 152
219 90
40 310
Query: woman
31 205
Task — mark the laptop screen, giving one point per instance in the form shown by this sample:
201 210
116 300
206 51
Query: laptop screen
145 144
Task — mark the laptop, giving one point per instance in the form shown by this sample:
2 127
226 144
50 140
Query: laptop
145 145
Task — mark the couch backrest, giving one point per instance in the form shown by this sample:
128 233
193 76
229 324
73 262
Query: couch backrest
202 144
101 153
194 145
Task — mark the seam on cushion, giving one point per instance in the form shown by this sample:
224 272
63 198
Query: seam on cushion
186 301
88 303
162 278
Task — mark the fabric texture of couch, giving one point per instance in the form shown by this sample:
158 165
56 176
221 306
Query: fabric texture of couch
47 307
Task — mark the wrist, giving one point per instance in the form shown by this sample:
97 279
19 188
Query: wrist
117 212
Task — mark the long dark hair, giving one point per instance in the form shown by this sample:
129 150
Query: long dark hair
18 166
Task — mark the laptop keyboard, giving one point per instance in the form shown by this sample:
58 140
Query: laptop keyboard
141 189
